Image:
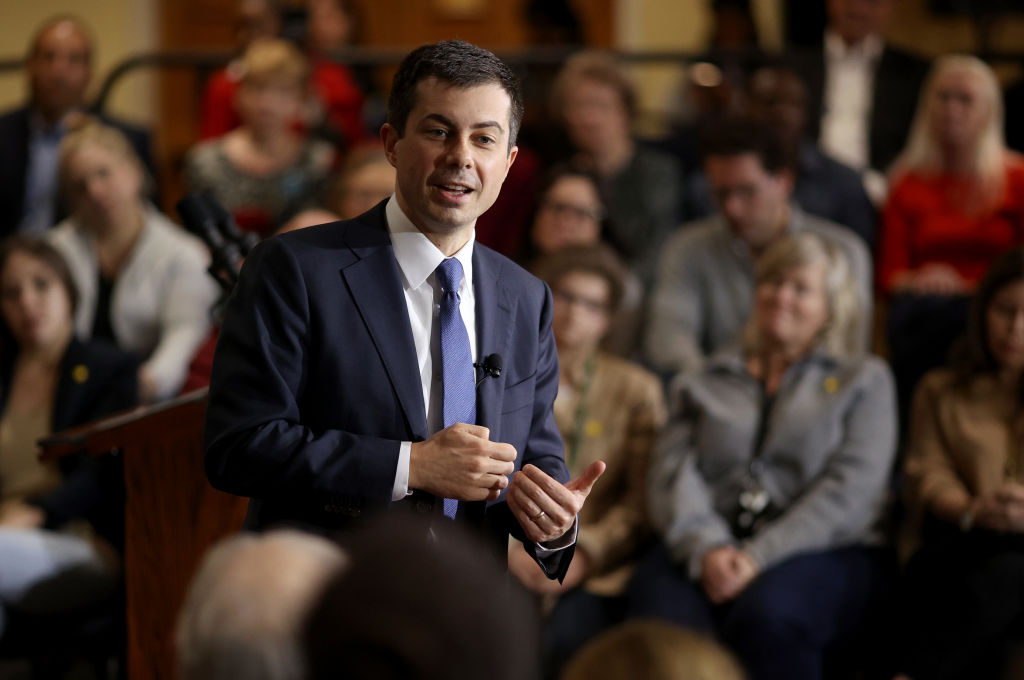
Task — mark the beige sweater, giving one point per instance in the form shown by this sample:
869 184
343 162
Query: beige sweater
620 417
971 438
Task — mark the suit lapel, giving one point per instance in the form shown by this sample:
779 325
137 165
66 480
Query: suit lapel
376 287
494 312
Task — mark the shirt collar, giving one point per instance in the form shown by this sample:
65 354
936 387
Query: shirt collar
417 256
38 128
869 49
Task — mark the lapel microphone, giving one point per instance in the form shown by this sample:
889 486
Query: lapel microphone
491 366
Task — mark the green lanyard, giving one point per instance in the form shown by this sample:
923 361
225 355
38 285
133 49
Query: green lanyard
579 422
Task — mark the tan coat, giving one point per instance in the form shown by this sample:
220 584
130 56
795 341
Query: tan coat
969 438
618 422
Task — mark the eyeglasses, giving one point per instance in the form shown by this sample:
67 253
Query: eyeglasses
591 305
574 211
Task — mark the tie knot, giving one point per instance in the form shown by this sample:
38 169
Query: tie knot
449 273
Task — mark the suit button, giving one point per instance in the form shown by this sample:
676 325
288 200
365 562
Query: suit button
422 506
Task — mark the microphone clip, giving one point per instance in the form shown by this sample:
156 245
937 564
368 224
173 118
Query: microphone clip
491 367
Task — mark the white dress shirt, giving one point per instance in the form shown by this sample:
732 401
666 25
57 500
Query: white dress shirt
845 122
849 79
417 259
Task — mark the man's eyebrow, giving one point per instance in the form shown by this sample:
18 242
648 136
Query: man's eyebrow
444 120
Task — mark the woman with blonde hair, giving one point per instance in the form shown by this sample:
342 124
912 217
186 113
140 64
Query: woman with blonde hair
266 171
768 486
141 279
957 201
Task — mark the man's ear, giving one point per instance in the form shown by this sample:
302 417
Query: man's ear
511 159
389 138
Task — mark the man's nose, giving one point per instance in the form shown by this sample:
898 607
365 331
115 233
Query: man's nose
458 152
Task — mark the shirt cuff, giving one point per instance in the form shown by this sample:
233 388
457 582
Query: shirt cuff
561 543
401 488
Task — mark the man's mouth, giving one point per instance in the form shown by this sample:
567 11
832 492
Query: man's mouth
455 189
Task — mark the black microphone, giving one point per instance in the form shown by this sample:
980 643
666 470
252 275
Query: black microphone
197 217
491 366
225 221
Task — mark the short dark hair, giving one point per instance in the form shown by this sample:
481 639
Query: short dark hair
737 136
597 259
40 249
460 64
452 616
972 355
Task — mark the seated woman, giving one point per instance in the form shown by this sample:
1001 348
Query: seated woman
769 483
365 179
265 171
965 491
141 279
57 520
597 103
957 201
571 212
607 409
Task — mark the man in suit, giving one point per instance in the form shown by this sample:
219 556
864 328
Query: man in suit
346 347
59 67
863 90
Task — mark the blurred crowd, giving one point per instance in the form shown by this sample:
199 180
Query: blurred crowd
792 326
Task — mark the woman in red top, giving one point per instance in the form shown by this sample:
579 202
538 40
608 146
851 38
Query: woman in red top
957 202
957 199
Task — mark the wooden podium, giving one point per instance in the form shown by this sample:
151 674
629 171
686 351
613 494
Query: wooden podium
172 515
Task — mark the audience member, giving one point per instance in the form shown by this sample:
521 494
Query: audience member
254 20
141 279
59 522
334 108
597 103
264 172
863 90
245 609
823 187
365 179
59 67
652 650
957 202
769 485
331 25
607 409
571 212
431 603
965 492
702 297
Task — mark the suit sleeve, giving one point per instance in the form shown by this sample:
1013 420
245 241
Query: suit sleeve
544 447
256 442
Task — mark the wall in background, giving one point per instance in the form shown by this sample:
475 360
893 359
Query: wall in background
120 28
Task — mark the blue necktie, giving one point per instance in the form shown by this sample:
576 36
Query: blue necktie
457 374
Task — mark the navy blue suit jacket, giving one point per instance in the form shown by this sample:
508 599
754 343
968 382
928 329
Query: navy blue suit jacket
315 381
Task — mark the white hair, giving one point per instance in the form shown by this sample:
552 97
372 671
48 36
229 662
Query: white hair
243 611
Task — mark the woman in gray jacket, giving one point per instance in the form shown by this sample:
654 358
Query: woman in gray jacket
769 485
